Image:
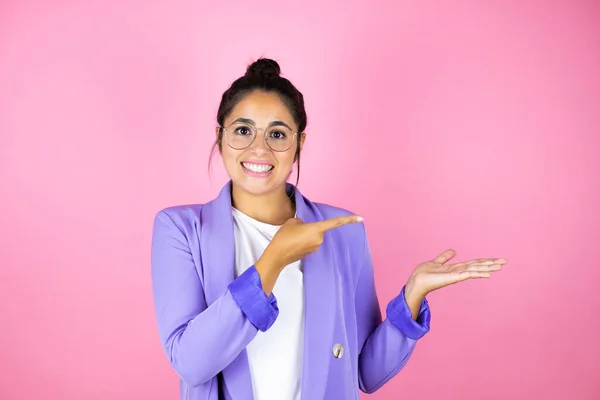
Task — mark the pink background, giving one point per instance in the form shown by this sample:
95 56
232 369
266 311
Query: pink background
464 124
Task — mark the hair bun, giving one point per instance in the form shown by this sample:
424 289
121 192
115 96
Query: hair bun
263 67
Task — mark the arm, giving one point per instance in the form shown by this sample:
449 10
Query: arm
201 341
388 344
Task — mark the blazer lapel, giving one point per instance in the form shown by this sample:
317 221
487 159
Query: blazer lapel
218 260
319 289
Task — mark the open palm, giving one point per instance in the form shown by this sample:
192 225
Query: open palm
435 274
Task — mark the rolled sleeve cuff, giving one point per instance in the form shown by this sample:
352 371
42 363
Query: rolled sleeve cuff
400 316
262 311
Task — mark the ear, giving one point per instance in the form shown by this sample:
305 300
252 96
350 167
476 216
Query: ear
302 137
217 132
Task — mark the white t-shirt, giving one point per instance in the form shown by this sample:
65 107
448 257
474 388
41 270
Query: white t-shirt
275 356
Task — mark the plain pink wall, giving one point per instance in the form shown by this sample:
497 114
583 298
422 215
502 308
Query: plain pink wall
464 124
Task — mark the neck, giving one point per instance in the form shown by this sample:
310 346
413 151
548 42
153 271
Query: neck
272 208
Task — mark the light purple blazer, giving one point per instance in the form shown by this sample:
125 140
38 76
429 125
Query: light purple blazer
204 328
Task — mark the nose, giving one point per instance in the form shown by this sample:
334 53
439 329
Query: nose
259 145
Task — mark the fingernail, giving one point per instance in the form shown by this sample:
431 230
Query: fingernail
359 219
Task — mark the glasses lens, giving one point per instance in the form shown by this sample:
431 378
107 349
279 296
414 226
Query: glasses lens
239 136
280 138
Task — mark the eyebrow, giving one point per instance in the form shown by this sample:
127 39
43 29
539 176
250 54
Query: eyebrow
273 123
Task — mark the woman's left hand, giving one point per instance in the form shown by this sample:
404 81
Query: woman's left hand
435 274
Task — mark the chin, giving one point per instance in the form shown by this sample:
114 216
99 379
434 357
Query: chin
256 186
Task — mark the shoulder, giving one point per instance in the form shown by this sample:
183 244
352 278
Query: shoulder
331 211
354 234
349 242
183 217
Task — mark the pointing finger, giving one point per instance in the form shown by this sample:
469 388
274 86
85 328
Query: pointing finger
336 222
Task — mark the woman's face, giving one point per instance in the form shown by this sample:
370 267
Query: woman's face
258 169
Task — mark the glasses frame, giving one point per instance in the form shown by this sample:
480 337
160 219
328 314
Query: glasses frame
224 132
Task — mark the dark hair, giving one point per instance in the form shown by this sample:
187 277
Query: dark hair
263 74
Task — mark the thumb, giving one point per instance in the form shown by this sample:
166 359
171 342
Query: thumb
445 256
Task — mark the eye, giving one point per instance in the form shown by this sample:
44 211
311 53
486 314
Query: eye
278 135
243 130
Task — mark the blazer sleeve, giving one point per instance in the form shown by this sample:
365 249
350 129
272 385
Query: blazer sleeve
200 340
386 345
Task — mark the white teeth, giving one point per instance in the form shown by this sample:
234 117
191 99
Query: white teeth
257 167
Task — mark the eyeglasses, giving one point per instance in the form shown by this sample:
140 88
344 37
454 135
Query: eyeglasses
240 135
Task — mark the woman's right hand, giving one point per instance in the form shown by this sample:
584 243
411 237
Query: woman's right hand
293 241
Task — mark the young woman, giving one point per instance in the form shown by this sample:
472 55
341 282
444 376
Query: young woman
262 293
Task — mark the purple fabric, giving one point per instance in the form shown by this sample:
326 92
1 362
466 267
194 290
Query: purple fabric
248 293
206 317
400 316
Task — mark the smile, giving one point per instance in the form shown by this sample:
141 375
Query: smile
258 168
